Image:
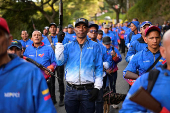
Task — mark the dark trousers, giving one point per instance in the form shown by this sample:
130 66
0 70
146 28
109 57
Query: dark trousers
60 74
122 44
99 102
77 101
112 80
51 86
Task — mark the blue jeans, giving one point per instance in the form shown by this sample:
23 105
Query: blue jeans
76 99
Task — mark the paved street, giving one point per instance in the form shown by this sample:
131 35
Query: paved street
121 87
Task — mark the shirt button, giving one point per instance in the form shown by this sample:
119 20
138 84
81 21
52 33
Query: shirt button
166 74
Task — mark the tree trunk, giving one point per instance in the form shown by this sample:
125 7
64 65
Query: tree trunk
117 16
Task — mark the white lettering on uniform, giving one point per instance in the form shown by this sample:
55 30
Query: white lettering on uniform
147 61
11 94
89 47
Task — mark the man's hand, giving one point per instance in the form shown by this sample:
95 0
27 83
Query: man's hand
94 94
113 53
61 35
46 72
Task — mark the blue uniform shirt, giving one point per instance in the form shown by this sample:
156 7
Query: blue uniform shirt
135 47
27 43
83 65
142 61
43 54
23 88
160 92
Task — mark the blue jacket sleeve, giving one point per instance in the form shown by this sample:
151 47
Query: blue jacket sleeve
131 107
131 51
132 65
43 102
127 40
61 53
98 67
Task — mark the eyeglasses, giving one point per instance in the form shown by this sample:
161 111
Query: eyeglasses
91 31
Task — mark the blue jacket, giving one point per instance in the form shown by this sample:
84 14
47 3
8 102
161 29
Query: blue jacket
27 43
142 61
100 41
113 61
160 92
135 47
83 66
127 31
112 36
43 55
54 40
135 37
44 37
127 39
23 88
69 37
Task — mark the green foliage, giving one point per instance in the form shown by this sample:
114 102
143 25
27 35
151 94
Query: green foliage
19 20
152 10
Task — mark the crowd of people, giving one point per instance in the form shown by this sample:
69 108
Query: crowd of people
86 56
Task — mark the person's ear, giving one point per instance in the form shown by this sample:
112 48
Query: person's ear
163 51
10 38
145 39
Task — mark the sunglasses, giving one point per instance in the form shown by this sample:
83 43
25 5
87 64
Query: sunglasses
91 31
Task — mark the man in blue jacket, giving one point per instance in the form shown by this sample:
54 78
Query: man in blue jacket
112 36
44 55
22 90
93 32
70 35
137 42
53 35
161 88
83 69
59 69
45 32
25 40
145 58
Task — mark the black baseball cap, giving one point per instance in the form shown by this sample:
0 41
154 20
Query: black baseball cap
81 20
53 24
94 25
70 26
106 40
100 32
15 43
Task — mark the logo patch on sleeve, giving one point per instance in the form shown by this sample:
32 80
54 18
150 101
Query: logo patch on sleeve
45 91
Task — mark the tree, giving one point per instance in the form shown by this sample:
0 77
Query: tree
38 6
116 5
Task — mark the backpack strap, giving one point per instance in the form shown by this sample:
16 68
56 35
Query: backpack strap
52 44
154 63
130 36
153 75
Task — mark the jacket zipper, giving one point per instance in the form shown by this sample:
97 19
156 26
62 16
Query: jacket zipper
36 52
80 65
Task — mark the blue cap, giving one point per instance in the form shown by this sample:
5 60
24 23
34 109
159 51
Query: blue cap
145 23
15 43
136 23
129 23
70 26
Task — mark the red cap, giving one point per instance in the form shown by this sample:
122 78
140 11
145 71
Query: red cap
147 30
4 25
